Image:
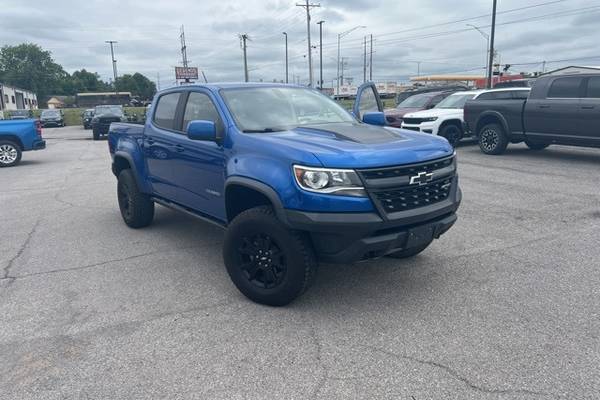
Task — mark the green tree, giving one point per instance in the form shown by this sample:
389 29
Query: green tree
85 81
30 67
137 84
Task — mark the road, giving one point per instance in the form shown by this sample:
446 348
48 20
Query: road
504 306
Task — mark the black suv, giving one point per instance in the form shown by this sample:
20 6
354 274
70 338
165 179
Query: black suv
104 116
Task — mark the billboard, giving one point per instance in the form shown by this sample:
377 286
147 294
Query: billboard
186 73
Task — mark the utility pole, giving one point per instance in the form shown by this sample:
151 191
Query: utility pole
371 60
308 6
243 38
114 62
492 37
364 59
184 59
320 23
286 57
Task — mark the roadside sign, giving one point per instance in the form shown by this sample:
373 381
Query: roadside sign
186 73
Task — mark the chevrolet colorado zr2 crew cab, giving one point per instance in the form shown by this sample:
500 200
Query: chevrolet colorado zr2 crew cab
293 177
560 109
17 136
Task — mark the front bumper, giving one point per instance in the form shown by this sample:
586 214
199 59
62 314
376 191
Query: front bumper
424 127
51 123
351 237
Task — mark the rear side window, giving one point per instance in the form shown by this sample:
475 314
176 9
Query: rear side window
593 88
165 111
500 95
565 88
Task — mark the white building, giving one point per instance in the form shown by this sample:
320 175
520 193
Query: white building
12 98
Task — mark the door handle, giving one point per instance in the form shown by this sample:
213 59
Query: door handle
179 148
587 107
543 106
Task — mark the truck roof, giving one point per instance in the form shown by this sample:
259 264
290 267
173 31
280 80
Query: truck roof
235 85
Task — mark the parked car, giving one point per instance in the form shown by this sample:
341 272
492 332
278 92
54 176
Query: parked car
428 89
104 116
86 118
52 118
293 177
20 114
417 102
17 136
561 109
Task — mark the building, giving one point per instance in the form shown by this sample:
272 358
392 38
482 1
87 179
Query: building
56 102
573 69
12 98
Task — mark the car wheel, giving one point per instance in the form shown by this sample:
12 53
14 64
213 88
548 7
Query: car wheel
95 134
269 263
407 253
10 153
536 145
492 139
451 133
137 208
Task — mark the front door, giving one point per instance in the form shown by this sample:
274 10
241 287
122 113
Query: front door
367 100
199 166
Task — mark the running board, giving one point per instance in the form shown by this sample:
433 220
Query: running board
187 211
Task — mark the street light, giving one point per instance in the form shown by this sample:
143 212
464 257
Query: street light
286 57
340 36
487 49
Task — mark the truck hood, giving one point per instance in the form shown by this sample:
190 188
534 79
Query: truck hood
436 112
357 145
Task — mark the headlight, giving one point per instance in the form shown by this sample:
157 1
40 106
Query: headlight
429 119
95 119
342 182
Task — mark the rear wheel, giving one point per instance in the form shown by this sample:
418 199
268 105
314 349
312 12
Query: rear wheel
536 145
409 252
137 208
269 263
10 153
452 133
492 139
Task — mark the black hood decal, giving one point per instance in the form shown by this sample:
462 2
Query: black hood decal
354 132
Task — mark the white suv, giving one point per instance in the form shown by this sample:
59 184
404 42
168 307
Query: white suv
446 119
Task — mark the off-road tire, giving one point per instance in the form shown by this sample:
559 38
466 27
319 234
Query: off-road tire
95 134
287 256
137 208
492 139
10 152
452 133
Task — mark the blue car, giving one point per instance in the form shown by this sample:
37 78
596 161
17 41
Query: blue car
17 136
294 179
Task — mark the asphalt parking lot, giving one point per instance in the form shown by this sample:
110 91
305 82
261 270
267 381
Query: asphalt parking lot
505 306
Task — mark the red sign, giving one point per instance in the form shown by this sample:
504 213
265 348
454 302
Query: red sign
186 73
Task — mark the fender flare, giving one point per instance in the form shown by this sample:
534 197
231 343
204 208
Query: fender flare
261 188
494 114
136 175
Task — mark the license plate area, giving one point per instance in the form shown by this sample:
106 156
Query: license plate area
418 236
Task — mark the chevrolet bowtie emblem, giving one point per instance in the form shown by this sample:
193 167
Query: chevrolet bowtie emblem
421 178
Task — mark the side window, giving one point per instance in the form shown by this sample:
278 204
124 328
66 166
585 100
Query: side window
165 111
436 100
368 102
520 94
485 96
200 106
565 88
503 95
593 88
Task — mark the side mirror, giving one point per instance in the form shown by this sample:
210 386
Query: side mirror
202 130
374 118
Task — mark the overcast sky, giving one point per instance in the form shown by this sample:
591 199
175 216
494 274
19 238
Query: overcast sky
432 32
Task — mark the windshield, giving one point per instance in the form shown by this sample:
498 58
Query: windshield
455 101
269 109
108 110
416 101
50 113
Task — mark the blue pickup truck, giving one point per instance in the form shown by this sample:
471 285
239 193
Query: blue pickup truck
293 177
17 136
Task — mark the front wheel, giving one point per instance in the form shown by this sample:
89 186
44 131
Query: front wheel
536 146
10 153
407 253
137 208
492 139
269 263
452 133
95 134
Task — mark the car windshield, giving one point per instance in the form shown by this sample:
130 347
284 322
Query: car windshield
416 101
270 109
109 110
50 113
455 101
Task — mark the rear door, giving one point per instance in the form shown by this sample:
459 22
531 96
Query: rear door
556 115
159 143
198 165
367 100
590 110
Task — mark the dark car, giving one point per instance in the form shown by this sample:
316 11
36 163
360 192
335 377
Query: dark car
561 109
428 89
87 118
52 118
104 116
20 114
417 102
515 83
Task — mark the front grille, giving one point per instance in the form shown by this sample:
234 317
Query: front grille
108 120
412 128
409 198
412 121
391 189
